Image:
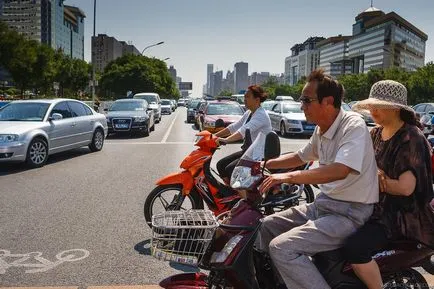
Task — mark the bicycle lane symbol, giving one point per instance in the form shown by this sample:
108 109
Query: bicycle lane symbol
36 263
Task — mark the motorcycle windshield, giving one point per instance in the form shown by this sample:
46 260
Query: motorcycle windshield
247 173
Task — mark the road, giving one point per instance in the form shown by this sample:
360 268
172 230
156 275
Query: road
78 221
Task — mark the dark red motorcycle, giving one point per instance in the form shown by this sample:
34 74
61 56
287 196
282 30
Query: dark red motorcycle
233 262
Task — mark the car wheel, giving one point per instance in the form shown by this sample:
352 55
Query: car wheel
282 129
147 131
37 153
153 127
97 140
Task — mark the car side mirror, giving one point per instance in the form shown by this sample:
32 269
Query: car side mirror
55 116
272 146
105 109
219 123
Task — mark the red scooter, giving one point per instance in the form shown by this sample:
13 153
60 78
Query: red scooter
233 262
196 184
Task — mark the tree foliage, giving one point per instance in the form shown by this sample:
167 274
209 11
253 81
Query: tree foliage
137 73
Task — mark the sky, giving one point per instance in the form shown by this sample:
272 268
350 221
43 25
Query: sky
223 32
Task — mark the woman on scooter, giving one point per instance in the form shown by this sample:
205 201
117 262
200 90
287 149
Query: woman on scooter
254 119
404 171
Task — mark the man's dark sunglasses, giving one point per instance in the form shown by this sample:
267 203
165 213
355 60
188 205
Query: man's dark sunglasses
307 100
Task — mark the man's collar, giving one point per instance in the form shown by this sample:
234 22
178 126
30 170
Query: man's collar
330 133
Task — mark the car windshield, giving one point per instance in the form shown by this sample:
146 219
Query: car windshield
267 105
193 104
127 106
292 108
346 107
22 111
148 98
166 102
224 109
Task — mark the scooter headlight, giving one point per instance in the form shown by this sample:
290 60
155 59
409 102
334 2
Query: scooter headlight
220 257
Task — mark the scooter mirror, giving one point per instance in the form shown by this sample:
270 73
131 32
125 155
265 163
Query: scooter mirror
272 146
219 123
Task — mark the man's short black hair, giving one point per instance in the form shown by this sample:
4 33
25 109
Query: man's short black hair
327 86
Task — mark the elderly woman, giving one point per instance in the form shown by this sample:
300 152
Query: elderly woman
404 169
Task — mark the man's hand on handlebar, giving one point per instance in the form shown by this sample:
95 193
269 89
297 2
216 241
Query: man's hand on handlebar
273 180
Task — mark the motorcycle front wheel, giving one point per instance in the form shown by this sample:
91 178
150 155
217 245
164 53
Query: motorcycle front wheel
169 198
408 279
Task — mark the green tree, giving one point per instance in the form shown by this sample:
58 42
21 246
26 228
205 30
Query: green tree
225 93
421 84
138 74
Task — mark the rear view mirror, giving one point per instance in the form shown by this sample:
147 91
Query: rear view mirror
219 123
272 146
56 116
105 109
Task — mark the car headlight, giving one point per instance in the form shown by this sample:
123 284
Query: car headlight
210 123
140 119
293 121
220 257
8 138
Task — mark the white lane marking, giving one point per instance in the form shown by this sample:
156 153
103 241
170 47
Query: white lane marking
170 128
30 260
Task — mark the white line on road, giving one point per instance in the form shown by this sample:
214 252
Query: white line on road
170 128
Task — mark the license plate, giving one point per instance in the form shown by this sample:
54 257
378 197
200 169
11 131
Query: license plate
122 125
309 127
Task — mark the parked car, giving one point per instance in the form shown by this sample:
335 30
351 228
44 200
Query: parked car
228 111
181 102
129 116
268 104
154 102
284 98
166 106
191 109
31 130
173 104
288 118
365 113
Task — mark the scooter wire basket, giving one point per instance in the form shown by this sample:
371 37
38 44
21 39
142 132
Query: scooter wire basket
182 236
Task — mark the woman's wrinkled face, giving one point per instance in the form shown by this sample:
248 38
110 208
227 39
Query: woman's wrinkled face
382 116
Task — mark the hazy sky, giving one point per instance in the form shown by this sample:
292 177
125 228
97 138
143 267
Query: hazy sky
222 32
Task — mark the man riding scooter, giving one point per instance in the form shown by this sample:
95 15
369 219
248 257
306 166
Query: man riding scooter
347 178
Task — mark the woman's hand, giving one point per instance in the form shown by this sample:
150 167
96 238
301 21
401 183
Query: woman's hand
382 180
272 180
221 141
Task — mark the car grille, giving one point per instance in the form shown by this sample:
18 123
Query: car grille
165 109
121 124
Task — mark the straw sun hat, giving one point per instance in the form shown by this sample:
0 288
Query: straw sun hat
385 94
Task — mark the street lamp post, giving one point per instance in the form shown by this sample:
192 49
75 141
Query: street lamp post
167 58
159 43
93 54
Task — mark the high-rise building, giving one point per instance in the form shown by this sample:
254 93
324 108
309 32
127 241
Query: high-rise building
258 78
379 40
334 55
209 72
47 21
172 72
241 76
303 60
228 81
217 82
107 48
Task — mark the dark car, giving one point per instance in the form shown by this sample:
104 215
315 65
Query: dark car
130 115
191 109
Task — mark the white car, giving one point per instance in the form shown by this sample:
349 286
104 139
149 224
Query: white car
166 106
31 130
288 118
154 102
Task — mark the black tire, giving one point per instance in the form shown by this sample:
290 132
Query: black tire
428 265
97 140
195 200
148 130
153 127
282 130
37 153
406 279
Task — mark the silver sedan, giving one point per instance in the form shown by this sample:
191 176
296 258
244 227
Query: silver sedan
31 130
288 118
